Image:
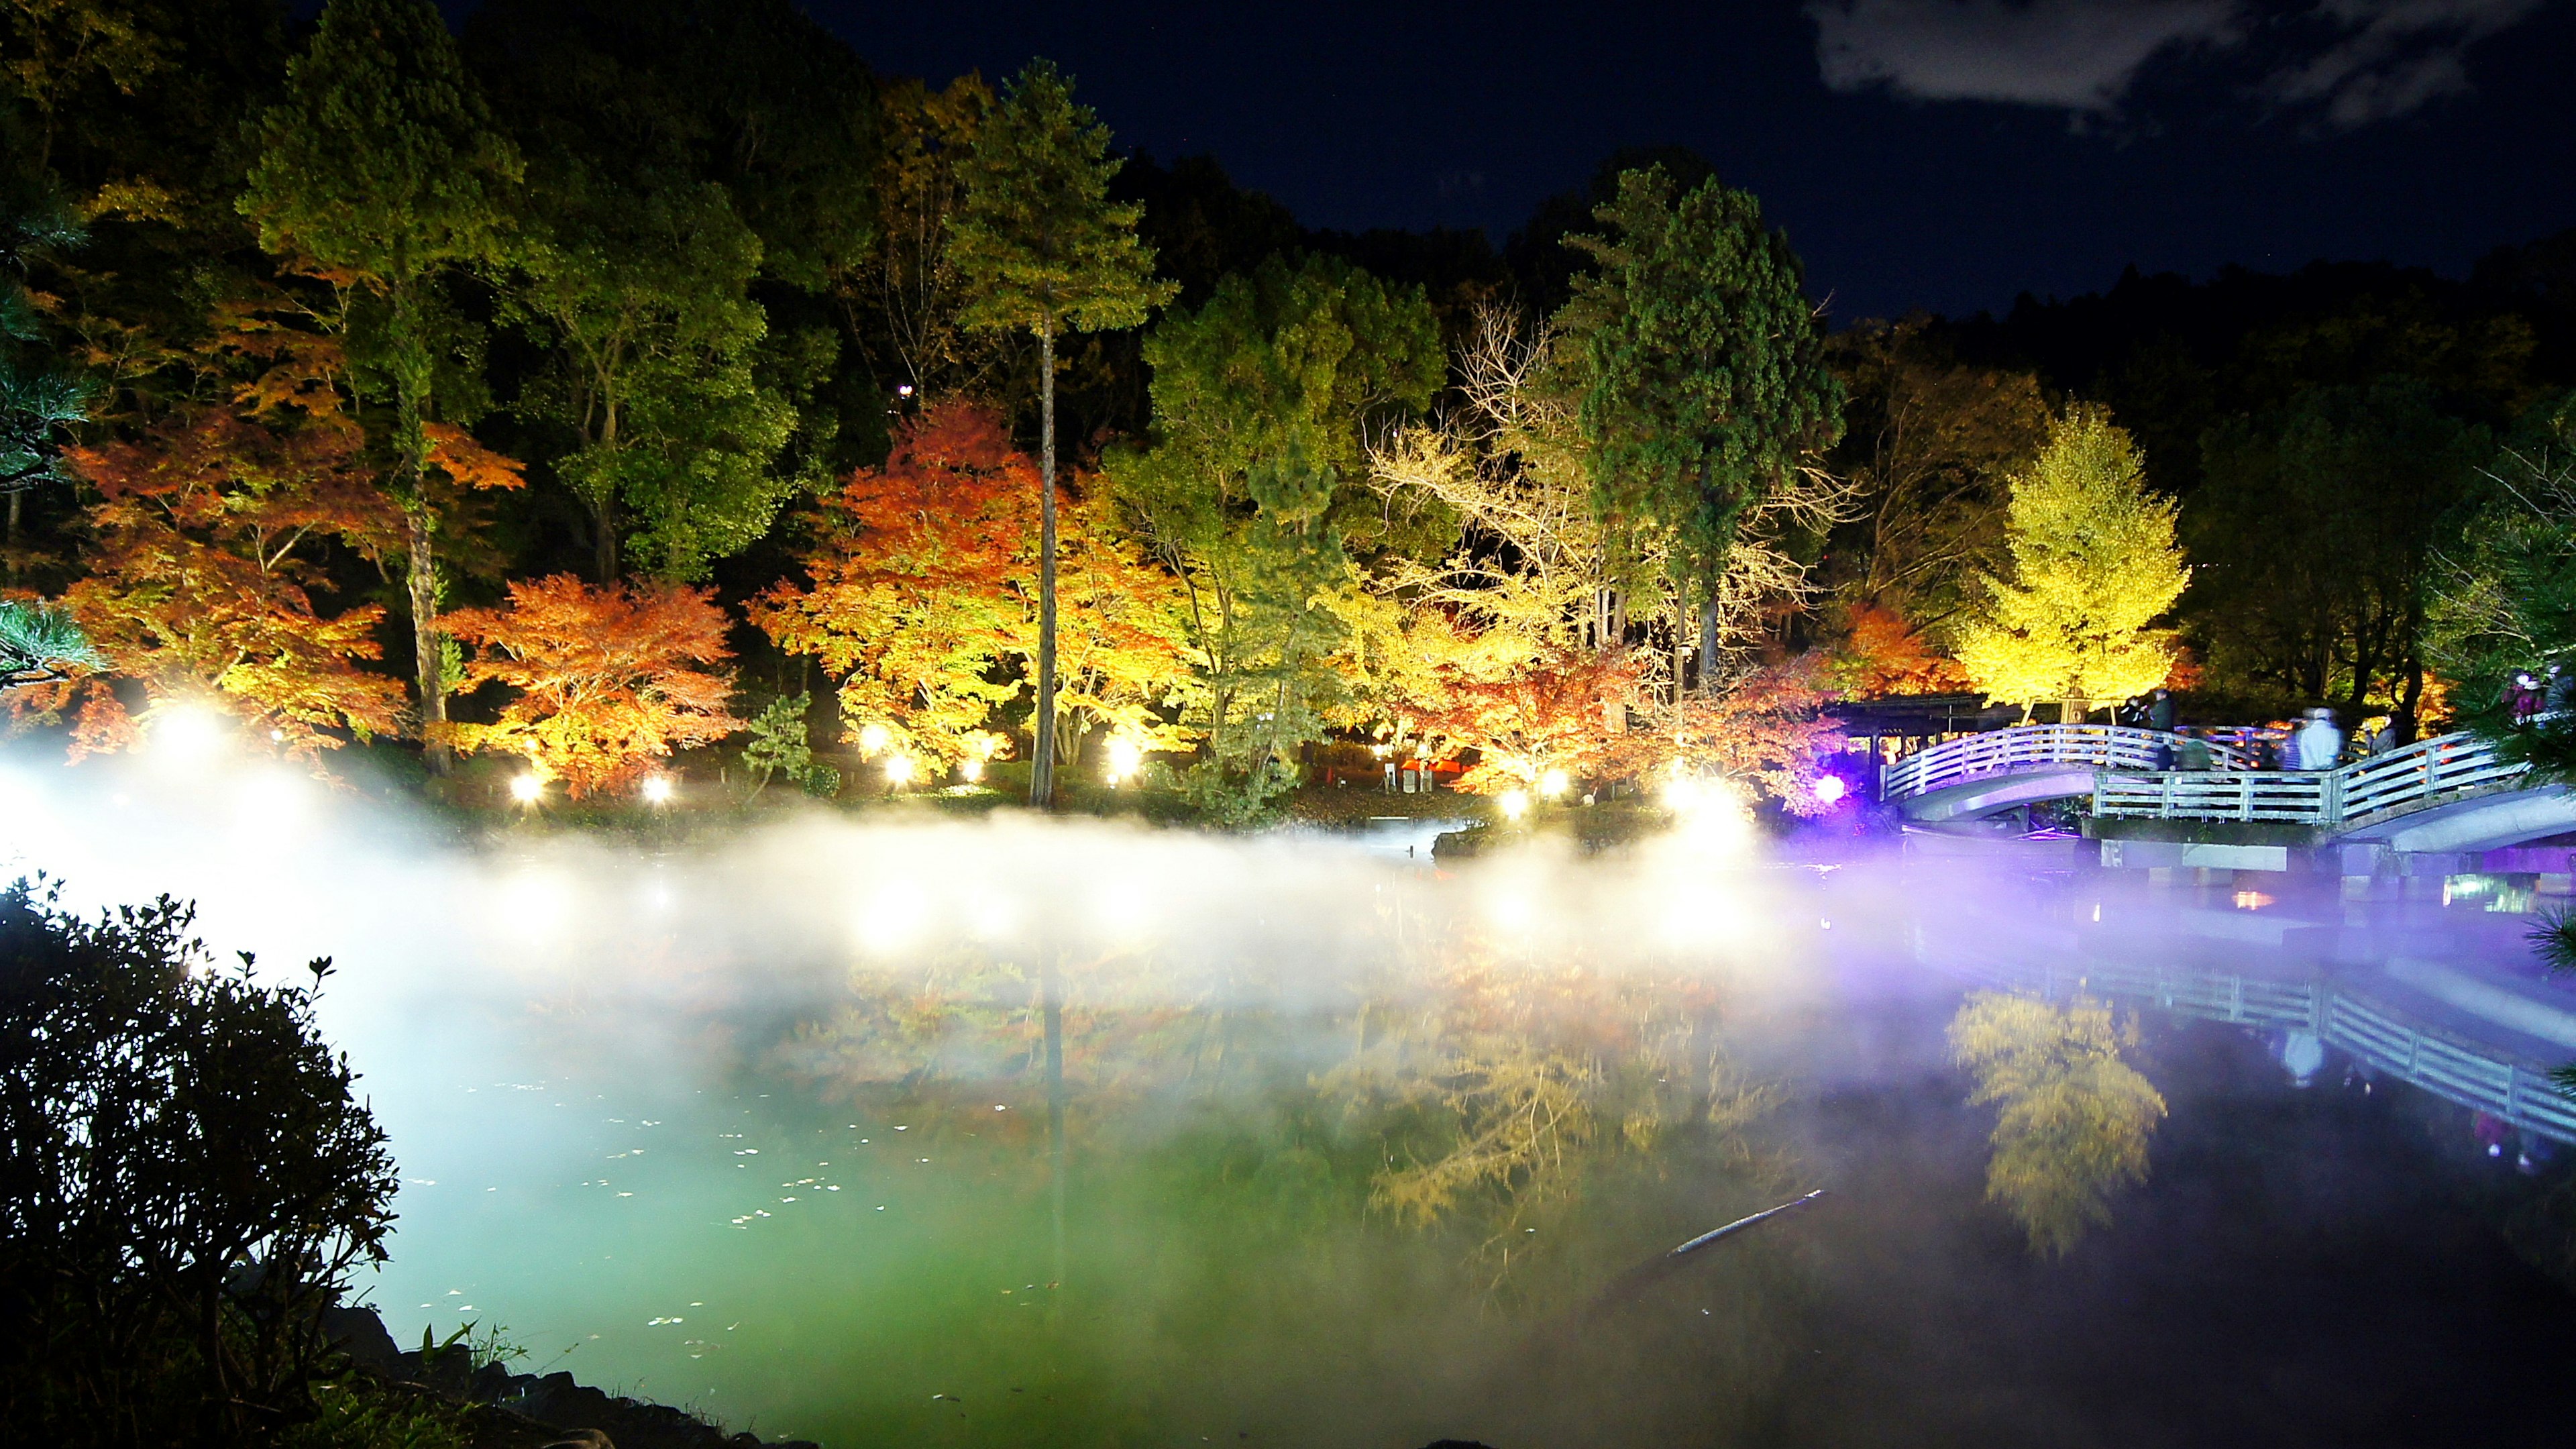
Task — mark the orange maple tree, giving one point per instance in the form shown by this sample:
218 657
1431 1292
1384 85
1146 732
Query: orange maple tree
208 545
606 678
1566 710
1881 654
921 594
1767 732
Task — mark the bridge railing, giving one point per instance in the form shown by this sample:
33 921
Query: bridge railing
1996 752
2448 1066
2428 772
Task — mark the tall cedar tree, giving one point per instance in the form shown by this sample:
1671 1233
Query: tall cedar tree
607 677
1702 373
2093 564
1043 248
923 594
382 171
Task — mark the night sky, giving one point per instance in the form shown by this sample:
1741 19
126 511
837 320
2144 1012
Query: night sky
1971 151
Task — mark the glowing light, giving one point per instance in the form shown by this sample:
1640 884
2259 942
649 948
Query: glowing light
528 788
1682 793
2251 900
1830 789
898 769
1126 757
186 733
894 917
873 741
972 769
1553 784
658 790
1515 803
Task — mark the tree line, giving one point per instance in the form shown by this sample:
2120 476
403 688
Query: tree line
608 380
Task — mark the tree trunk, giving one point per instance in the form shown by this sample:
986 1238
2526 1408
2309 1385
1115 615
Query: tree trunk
603 539
1708 647
422 579
1042 758
17 501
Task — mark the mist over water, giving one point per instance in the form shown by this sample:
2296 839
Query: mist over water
1356 1147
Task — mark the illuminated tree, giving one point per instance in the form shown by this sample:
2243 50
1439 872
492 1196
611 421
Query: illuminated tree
606 678
210 535
1765 730
2075 1116
2093 564
1253 491
922 597
381 171
1044 249
1555 714
1880 654
2507 606
1700 367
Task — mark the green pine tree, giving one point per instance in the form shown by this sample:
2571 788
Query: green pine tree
1043 248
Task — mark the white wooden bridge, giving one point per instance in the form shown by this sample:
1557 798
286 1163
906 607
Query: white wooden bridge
2450 793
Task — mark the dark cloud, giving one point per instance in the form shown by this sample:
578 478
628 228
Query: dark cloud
2392 55
2078 55
2350 61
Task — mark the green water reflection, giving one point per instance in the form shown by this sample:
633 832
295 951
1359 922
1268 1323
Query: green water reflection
1381 1218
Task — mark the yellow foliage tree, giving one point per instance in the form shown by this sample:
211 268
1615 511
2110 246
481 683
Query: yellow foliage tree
2094 563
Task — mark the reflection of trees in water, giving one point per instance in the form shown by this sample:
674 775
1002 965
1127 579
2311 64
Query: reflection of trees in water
1465 1090
2075 1118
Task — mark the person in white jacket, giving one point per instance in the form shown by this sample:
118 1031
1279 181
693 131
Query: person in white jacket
2319 741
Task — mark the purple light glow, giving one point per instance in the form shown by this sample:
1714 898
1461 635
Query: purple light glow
1830 788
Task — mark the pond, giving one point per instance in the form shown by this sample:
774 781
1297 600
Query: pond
1355 1151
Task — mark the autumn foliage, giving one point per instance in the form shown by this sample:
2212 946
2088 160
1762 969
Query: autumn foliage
1566 711
605 679
208 544
1883 655
921 594
1766 732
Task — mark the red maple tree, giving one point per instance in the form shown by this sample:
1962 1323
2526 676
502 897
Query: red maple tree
606 678
208 545
1881 655
1566 711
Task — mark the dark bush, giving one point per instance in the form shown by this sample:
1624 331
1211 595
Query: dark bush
188 1183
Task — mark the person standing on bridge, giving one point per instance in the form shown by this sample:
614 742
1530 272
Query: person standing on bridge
2318 741
2160 718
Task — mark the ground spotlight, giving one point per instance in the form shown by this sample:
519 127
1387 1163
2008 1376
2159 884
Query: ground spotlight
972 769
1552 784
1515 803
658 790
1830 789
898 769
874 739
185 734
1126 756
528 787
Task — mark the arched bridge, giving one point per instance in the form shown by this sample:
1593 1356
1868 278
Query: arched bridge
1986 774
2451 793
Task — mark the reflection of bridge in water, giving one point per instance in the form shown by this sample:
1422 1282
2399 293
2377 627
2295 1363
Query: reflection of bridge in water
2426 1014
2369 1032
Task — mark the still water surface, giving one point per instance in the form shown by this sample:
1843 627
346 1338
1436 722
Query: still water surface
1360 1153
